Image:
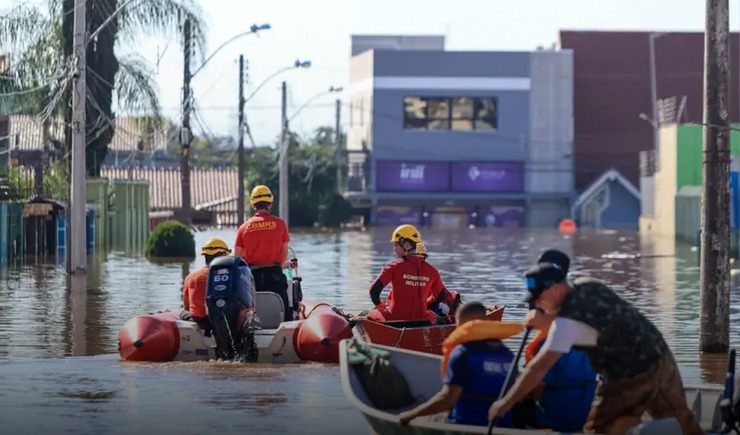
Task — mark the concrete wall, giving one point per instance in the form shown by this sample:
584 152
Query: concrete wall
550 151
361 101
361 43
647 196
688 214
663 222
543 213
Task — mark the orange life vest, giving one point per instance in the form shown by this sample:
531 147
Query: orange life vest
478 330
531 349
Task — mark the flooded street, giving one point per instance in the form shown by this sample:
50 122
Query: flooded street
59 368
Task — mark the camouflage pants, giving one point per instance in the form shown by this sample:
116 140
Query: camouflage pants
619 405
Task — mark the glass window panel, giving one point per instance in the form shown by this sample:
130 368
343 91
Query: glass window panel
439 108
462 124
439 124
439 113
415 113
462 108
481 124
486 116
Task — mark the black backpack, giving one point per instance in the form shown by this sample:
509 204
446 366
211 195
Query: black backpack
383 383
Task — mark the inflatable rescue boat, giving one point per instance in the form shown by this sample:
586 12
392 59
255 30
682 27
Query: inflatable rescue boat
245 325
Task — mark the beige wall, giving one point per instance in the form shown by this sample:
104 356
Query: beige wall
361 100
663 222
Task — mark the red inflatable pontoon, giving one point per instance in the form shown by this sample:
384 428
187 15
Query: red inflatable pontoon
164 337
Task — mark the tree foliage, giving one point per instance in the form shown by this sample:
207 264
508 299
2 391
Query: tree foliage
312 181
37 45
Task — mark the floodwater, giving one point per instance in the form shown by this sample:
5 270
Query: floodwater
60 373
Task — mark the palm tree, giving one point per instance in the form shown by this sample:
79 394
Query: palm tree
37 44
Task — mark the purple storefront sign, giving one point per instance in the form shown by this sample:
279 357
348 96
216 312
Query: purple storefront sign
502 216
412 177
386 215
488 177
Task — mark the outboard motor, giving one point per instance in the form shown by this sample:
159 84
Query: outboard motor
230 300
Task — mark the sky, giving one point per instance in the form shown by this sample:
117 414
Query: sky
320 30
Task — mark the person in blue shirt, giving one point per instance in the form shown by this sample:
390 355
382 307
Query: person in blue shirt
563 400
474 374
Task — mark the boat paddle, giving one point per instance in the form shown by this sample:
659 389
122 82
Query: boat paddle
510 376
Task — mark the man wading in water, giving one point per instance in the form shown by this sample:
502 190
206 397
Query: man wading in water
639 371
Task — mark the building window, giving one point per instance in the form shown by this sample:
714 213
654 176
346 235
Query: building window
462 113
458 113
438 113
415 113
486 116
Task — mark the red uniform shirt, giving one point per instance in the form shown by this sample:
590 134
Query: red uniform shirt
194 292
261 239
413 282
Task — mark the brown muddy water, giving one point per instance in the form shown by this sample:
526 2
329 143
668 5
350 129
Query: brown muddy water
60 372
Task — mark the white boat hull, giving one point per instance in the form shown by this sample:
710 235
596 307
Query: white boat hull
422 373
273 345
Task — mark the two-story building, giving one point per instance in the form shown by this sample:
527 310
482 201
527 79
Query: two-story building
459 138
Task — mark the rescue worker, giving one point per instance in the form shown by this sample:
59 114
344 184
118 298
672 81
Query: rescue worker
639 372
262 241
445 303
474 369
412 280
194 287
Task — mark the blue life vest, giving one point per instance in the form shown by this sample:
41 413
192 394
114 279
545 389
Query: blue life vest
488 368
570 386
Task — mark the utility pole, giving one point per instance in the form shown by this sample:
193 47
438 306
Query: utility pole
77 235
338 144
284 167
240 162
185 134
715 224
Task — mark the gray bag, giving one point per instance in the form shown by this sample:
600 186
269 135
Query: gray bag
383 383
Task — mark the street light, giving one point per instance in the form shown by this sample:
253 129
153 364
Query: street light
241 193
296 65
283 202
185 133
254 28
331 89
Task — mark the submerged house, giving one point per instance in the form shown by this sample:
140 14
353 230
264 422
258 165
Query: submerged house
609 202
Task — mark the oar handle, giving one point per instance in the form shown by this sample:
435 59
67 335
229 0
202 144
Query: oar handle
510 376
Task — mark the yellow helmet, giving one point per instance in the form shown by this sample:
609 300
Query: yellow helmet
215 246
421 249
406 232
261 193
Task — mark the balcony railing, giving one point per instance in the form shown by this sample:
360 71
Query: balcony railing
358 171
648 164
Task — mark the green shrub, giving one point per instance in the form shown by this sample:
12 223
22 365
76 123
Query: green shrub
171 239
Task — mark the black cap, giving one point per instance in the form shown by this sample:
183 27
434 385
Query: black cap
541 277
558 257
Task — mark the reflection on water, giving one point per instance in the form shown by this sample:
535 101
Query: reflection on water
47 316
